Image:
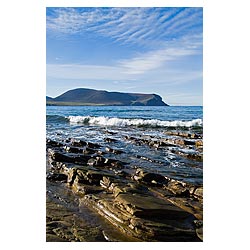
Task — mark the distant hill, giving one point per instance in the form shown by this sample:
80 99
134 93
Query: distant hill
84 96
49 98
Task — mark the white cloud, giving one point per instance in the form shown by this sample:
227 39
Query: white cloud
145 26
151 63
155 59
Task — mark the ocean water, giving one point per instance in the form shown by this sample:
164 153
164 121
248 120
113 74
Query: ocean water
95 123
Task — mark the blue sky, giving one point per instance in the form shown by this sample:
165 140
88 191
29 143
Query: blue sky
143 50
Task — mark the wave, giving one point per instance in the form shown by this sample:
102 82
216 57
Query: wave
56 118
119 122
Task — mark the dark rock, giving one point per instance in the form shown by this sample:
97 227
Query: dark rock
92 145
94 177
78 143
52 143
107 149
110 140
89 151
110 132
199 192
106 182
70 158
199 143
147 206
57 165
195 156
149 178
114 151
81 159
116 164
92 162
188 142
57 156
104 162
178 188
71 175
85 189
73 149
56 177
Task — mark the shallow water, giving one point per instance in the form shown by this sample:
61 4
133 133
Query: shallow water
64 122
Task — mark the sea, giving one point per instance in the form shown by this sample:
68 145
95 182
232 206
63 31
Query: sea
97 123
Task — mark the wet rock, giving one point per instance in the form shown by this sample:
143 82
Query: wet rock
149 178
145 217
59 157
117 190
83 189
147 206
186 203
199 143
163 143
199 192
183 134
121 173
56 177
133 139
99 152
92 145
100 161
114 151
71 175
78 143
148 159
189 142
106 182
192 156
51 143
73 149
110 132
143 204
104 162
81 159
117 165
199 228
110 140
88 151
195 156
51 237
96 162
56 165
178 188
94 177
91 162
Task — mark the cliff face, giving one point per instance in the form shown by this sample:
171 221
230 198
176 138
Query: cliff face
84 96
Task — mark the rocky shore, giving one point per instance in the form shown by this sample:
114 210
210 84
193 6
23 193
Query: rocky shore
93 194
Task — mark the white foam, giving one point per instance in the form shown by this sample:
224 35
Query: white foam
119 122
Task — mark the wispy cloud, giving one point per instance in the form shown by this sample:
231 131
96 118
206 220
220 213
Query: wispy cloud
145 26
128 68
156 58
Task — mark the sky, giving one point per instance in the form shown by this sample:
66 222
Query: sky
139 50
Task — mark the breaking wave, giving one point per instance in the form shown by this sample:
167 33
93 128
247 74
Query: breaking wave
119 122
56 118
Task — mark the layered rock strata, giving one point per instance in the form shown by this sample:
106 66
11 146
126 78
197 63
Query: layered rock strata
144 205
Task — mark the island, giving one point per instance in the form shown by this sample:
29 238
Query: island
88 97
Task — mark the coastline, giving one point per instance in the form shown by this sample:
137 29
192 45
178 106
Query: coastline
143 205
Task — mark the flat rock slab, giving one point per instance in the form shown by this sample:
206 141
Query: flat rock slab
142 206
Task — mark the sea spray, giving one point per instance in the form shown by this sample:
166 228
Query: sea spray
120 122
